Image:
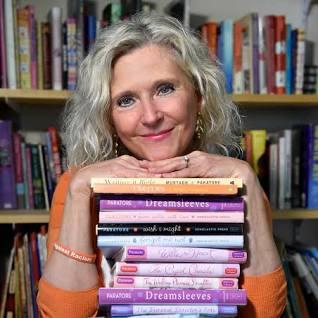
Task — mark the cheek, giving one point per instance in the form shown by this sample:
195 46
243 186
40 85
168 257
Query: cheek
124 125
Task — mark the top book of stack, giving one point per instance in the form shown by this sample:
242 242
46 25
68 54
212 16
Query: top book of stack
204 186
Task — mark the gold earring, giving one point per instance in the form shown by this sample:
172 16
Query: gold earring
115 145
199 127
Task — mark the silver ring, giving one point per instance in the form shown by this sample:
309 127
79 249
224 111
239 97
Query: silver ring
186 160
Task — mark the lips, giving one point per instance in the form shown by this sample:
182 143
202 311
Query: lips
158 136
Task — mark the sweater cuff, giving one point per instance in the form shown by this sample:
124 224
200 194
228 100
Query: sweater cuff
266 294
85 300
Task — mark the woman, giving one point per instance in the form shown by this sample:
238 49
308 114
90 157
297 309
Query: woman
150 102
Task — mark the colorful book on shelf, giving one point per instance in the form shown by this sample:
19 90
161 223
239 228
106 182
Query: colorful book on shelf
107 229
8 199
171 296
312 195
121 281
179 254
177 269
171 311
184 203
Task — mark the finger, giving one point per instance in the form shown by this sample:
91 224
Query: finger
170 165
184 173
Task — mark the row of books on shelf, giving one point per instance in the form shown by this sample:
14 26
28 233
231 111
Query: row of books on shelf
30 167
286 164
24 268
46 55
171 246
301 271
262 55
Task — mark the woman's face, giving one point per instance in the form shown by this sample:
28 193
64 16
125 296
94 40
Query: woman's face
154 105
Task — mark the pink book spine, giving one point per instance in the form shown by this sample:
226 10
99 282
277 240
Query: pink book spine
29 175
174 282
180 254
163 217
171 296
177 269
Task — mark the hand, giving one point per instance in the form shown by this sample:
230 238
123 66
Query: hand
122 167
262 253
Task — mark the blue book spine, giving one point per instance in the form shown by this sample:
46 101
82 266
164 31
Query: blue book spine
91 30
289 60
312 196
227 53
294 59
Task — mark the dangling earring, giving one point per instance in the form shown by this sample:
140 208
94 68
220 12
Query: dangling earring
115 145
199 127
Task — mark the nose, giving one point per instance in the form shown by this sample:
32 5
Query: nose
151 113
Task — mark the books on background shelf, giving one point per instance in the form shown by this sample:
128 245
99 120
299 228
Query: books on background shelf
171 246
301 270
260 55
46 54
31 164
25 267
286 164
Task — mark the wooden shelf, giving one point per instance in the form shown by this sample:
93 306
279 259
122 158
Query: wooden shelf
249 100
42 216
296 214
24 216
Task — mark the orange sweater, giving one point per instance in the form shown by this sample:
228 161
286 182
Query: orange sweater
266 293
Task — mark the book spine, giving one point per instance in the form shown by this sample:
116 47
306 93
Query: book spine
312 196
172 217
167 181
300 61
270 53
227 28
212 38
261 56
215 241
3 57
237 59
39 48
28 156
24 48
174 282
46 55
71 54
8 199
255 53
55 152
33 48
56 49
171 296
170 229
36 178
126 310
280 54
180 254
10 44
184 204
64 55
167 189
289 60
43 177
19 170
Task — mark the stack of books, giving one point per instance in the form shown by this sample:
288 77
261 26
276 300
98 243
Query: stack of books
174 246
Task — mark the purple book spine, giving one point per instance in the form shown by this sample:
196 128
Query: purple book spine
128 310
171 296
8 198
3 59
167 203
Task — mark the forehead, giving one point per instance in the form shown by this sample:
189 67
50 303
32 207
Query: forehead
151 62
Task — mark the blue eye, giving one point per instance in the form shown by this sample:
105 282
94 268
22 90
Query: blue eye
165 89
125 101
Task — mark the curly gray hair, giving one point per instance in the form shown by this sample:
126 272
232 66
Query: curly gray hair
87 127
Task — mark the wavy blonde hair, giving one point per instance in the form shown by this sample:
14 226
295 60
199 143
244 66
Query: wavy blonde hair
87 127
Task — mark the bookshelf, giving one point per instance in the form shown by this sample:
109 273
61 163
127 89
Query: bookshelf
36 96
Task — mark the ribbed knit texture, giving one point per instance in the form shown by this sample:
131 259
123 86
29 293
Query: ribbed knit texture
266 293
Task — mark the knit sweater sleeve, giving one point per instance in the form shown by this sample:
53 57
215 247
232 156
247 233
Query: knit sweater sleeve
266 294
53 301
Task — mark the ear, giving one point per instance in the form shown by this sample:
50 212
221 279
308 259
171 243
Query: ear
200 102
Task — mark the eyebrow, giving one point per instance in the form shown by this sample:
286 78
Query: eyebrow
155 84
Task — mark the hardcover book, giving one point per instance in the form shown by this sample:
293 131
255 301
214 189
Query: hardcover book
171 296
179 254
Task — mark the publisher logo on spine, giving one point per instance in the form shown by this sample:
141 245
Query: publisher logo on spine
238 254
128 269
227 283
136 252
230 270
125 280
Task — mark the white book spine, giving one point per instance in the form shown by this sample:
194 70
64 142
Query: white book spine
218 241
273 174
300 61
261 52
10 44
288 168
56 53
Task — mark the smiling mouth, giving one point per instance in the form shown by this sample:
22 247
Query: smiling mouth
158 136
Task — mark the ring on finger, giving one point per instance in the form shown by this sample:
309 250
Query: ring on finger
186 160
